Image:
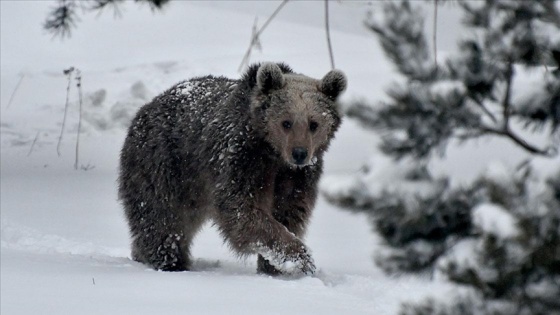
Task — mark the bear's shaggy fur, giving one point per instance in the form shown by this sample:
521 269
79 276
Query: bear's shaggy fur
245 153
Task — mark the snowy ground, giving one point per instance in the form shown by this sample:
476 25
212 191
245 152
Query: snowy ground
64 243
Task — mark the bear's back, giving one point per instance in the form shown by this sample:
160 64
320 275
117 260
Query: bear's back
200 120
183 110
197 100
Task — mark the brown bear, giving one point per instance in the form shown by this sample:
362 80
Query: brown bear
244 153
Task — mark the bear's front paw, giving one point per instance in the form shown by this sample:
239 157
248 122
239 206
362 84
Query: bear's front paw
291 259
302 262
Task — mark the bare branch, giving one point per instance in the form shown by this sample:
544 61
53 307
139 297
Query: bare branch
79 86
255 42
435 32
255 36
327 29
34 142
14 91
254 32
68 72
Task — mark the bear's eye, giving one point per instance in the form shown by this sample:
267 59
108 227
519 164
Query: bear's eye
313 126
287 124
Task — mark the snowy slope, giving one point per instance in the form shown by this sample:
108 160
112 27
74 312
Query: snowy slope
64 243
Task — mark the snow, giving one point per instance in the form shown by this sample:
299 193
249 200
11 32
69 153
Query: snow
441 89
494 219
64 242
382 175
529 89
498 172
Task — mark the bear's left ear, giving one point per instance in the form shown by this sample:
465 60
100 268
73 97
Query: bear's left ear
269 77
333 83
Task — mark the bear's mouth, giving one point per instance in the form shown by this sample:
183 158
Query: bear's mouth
311 162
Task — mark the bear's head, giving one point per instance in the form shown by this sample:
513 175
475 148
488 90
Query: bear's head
298 115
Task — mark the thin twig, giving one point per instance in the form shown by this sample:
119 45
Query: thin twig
33 144
255 37
68 72
79 86
435 32
255 42
14 91
327 28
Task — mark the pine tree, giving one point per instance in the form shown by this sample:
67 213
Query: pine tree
469 96
511 262
64 16
507 227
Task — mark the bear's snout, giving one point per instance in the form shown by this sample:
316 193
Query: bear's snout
299 155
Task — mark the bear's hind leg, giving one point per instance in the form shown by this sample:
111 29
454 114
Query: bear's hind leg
165 244
158 238
166 251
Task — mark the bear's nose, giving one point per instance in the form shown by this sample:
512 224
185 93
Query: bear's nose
299 154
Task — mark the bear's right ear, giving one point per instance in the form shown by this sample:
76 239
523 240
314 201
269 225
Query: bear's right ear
333 83
269 77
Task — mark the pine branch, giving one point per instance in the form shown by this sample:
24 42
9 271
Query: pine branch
154 4
102 4
402 38
506 130
507 96
62 19
484 109
508 133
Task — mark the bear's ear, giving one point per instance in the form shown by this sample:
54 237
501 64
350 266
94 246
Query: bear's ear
269 77
333 83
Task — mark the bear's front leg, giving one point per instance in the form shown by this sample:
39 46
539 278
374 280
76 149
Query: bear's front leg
295 192
252 230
